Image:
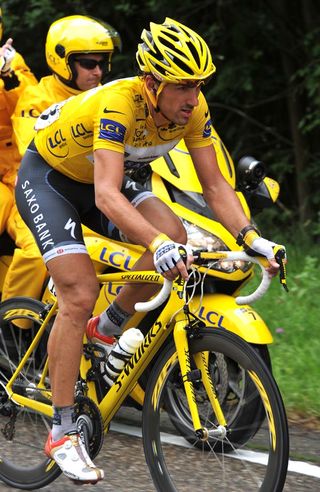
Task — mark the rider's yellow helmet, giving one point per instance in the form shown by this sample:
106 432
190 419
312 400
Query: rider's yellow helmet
1 24
78 34
173 53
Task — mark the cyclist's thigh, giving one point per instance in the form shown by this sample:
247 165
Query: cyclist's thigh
151 207
51 205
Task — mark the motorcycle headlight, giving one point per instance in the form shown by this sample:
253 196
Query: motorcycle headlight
199 238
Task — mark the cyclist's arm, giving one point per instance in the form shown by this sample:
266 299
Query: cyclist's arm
108 177
220 196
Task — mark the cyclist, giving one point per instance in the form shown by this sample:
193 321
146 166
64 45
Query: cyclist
15 75
78 53
74 171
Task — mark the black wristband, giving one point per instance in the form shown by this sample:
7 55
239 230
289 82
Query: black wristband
243 232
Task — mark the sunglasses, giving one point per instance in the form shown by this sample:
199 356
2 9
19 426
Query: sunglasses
91 63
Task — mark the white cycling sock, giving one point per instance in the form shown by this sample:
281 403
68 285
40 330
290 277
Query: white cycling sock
64 421
112 320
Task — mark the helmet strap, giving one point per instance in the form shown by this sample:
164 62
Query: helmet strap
153 93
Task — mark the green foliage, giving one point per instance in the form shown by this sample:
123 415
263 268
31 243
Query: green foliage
309 75
293 319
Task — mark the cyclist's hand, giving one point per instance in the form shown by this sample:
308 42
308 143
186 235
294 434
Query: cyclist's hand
7 53
169 262
267 248
249 237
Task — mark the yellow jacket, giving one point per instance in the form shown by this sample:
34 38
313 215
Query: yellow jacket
27 271
32 102
9 156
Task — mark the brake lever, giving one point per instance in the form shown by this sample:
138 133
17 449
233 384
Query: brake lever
280 257
183 254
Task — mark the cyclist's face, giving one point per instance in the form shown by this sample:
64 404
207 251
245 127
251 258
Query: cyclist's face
177 101
88 78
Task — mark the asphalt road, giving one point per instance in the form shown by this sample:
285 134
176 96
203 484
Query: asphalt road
122 459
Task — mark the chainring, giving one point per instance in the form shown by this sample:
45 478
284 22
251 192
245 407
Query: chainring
89 425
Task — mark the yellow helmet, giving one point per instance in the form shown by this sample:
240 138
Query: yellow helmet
78 34
172 53
1 24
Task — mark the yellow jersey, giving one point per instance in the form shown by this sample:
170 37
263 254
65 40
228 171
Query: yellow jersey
32 102
115 117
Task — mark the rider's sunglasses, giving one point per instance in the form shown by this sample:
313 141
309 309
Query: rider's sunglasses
91 63
195 83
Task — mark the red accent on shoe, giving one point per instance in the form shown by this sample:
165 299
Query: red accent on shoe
50 445
95 336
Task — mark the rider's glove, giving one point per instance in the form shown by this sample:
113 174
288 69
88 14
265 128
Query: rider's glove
249 237
263 247
6 59
166 253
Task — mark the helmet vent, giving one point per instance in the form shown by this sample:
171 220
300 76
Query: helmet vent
195 54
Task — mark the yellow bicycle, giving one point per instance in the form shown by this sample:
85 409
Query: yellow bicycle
231 443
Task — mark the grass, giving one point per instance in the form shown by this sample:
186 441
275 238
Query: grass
293 319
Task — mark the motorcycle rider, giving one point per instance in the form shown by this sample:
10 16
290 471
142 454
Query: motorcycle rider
78 53
15 75
125 124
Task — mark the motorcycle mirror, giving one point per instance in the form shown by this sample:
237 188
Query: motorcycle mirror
264 196
249 173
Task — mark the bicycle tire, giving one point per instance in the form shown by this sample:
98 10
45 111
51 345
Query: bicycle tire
243 412
176 465
23 432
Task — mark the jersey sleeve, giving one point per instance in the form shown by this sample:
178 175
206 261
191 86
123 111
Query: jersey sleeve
114 118
199 130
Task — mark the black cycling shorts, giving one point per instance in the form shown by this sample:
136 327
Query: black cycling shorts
54 206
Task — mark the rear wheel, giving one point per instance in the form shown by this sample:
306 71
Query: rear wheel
23 431
217 462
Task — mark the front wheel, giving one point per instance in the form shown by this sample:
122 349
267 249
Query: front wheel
234 390
217 463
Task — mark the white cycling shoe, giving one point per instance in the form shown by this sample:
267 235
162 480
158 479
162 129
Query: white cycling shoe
71 456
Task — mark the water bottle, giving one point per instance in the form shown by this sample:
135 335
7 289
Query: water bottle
121 353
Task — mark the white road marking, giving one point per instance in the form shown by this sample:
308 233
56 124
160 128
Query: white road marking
294 466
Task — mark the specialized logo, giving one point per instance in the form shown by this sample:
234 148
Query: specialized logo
151 277
207 129
112 130
70 226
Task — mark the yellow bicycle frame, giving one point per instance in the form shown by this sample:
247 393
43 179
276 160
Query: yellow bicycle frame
159 331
